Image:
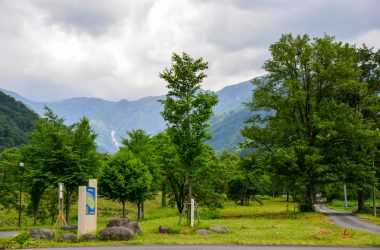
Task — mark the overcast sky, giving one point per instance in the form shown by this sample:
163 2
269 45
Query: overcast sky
56 49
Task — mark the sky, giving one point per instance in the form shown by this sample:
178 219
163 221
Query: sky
115 49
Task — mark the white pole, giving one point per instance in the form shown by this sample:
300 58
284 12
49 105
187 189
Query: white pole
192 212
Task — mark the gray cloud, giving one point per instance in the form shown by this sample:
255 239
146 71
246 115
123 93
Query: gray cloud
115 49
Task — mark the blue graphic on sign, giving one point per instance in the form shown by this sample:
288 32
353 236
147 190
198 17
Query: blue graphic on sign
90 201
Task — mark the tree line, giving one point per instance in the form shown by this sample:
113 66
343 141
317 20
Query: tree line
314 127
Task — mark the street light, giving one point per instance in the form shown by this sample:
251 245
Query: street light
19 210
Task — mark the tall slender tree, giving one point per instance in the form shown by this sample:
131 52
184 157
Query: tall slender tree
187 109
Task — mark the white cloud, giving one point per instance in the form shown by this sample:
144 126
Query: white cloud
115 49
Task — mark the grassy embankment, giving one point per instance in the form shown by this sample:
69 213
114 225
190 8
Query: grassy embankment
272 223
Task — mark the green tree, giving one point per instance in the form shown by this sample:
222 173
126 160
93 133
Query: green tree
10 177
303 92
174 175
57 153
139 143
125 178
187 110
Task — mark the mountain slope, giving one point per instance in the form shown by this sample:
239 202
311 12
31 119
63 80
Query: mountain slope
110 120
16 121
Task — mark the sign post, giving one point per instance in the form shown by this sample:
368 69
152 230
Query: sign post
192 212
61 218
87 208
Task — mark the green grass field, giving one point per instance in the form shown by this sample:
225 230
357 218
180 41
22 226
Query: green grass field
275 222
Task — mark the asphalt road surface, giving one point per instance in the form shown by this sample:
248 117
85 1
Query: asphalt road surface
5 234
215 247
348 220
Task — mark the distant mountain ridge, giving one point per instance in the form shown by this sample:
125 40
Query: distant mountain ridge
110 120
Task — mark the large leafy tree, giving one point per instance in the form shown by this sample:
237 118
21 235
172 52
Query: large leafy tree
304 92
187 110
125 178
57 153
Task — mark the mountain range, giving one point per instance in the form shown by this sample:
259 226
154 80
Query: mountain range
110 120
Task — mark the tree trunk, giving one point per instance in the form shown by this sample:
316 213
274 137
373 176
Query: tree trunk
287 196
123 202
190 195
34 217
138 210
163 198
361 199
308 204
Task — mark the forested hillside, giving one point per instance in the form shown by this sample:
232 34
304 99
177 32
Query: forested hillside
16 121
110 120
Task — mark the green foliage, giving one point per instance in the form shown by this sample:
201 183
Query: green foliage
16 122
139 143
314 118
57 153
125 178
10 177
187 109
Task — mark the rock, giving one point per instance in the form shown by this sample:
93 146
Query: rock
68 237
118 222
203 231
41 234
164 230
220 229
68 227
88 237
135 227
116 233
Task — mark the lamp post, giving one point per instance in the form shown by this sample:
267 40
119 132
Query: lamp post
19 210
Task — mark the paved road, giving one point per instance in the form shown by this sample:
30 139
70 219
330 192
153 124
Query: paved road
5 234
348 220
215 247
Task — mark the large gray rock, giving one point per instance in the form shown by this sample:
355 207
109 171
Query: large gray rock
116 233
135 227
220 229
41 234
118 222
88 237
164 230
203 231
68 237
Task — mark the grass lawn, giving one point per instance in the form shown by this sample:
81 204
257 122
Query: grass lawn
273 223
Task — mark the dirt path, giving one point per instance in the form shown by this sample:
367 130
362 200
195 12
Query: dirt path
348 220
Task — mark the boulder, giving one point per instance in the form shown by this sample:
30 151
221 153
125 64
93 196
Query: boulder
116 233
88 237
220 229
68 237
68 227
203 231
164 230
135 227
118 222
41 234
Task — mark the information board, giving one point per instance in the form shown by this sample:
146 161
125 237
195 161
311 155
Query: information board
90 201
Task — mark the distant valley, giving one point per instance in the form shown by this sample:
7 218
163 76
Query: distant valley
110 120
